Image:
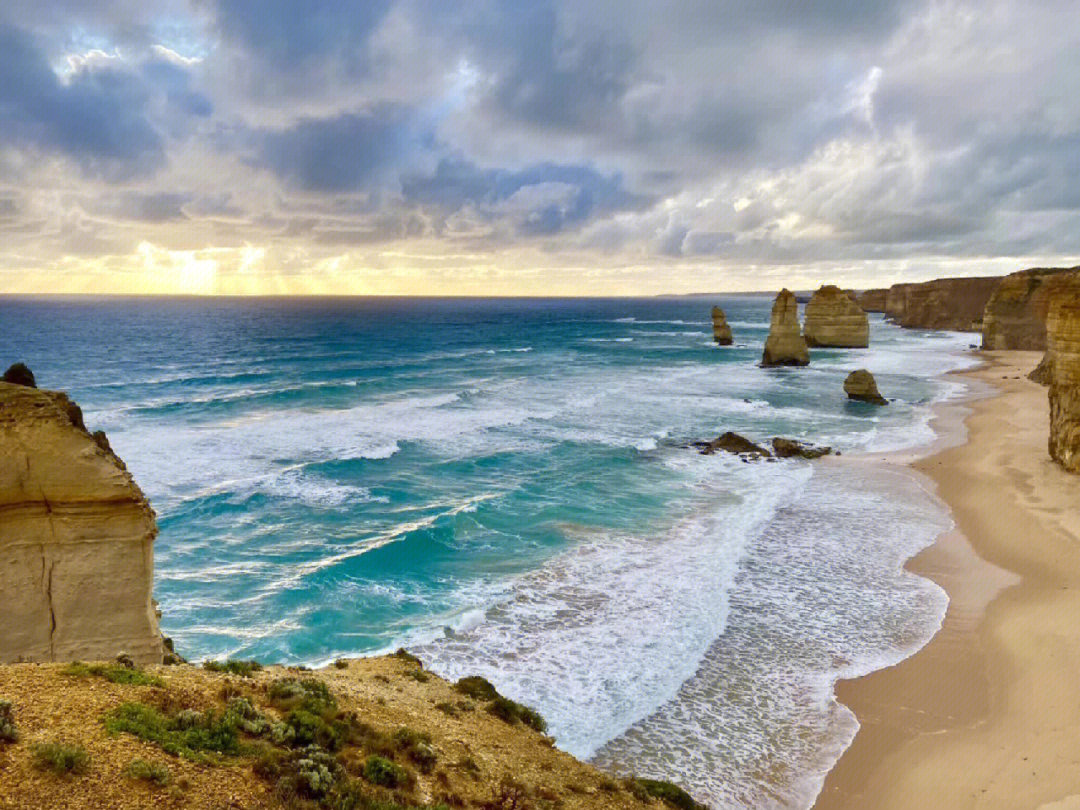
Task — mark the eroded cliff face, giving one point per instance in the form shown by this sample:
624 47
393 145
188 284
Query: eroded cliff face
785 345
1015 316
1063 333
76 539
956 304
833 319
872 300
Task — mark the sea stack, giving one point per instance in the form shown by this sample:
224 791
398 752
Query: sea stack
1063 332
1015 316
861 386
76 539
833 319
785 345
721 331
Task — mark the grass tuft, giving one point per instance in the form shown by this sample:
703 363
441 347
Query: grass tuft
477 688
146 771
233 666
61 758
114 673
9 732
667 792
187 734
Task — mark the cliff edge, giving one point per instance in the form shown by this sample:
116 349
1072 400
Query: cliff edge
1063 331
1016 313
76 539
956 304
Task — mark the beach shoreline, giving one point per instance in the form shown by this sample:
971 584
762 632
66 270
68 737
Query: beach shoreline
987 714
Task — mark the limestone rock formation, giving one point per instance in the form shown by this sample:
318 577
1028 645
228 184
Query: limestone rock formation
872 300
785 345
956 304
76 539
733 443
861 386
833 319
1015 316
1043 372
1063 334
721 331
792 448
19 374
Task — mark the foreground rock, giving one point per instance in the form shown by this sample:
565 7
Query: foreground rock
1063 333
19 374
862 387
872 300
721 331
1015 316
791 448
76 539
956 304
833 319
785 345
733 443
1044 372
389 735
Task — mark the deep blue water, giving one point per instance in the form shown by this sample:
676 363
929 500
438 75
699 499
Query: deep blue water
503 485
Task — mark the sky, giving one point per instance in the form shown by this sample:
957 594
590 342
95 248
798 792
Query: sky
493 147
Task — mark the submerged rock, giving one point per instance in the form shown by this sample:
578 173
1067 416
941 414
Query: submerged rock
19 374
785 345
792 448
721 331
833 319
733 443
861 386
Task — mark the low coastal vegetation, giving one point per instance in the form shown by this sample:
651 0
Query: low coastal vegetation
232 666
61 758
9 732
115 673
507 710
146 771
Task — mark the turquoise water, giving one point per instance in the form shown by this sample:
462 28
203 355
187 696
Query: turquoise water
503 485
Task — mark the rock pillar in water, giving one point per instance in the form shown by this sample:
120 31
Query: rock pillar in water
785 345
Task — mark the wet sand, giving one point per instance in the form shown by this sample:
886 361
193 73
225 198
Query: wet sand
987 715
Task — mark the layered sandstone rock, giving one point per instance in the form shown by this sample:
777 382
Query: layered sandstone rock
721 331
956 304
1044 372
833 319
872 300
785 345
861 386
1015 316
76 539
1063 333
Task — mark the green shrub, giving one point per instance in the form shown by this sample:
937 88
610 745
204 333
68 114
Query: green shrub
416 746
187 734
116 673
666 791
477 688
408 657
510 712
233 666
306 693
146 771
61 758
418 675
9 732
381 771
341 663
447 708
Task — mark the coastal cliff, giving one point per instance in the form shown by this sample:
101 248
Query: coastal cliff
955 304
1063 332
1015 316
833 319
76 539
872 300
785 345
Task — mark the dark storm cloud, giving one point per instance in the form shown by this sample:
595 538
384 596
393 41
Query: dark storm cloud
97 117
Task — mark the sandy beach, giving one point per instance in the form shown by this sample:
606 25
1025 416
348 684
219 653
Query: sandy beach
987 715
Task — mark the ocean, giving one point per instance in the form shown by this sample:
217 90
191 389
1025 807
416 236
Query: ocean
503 486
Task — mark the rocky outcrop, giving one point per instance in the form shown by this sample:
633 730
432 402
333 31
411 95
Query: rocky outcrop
861 386
1043 372
785 345
76 539
792 448
833 319
732 443
872 300
956 304
1015 316
721 331
1063 334
19 374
